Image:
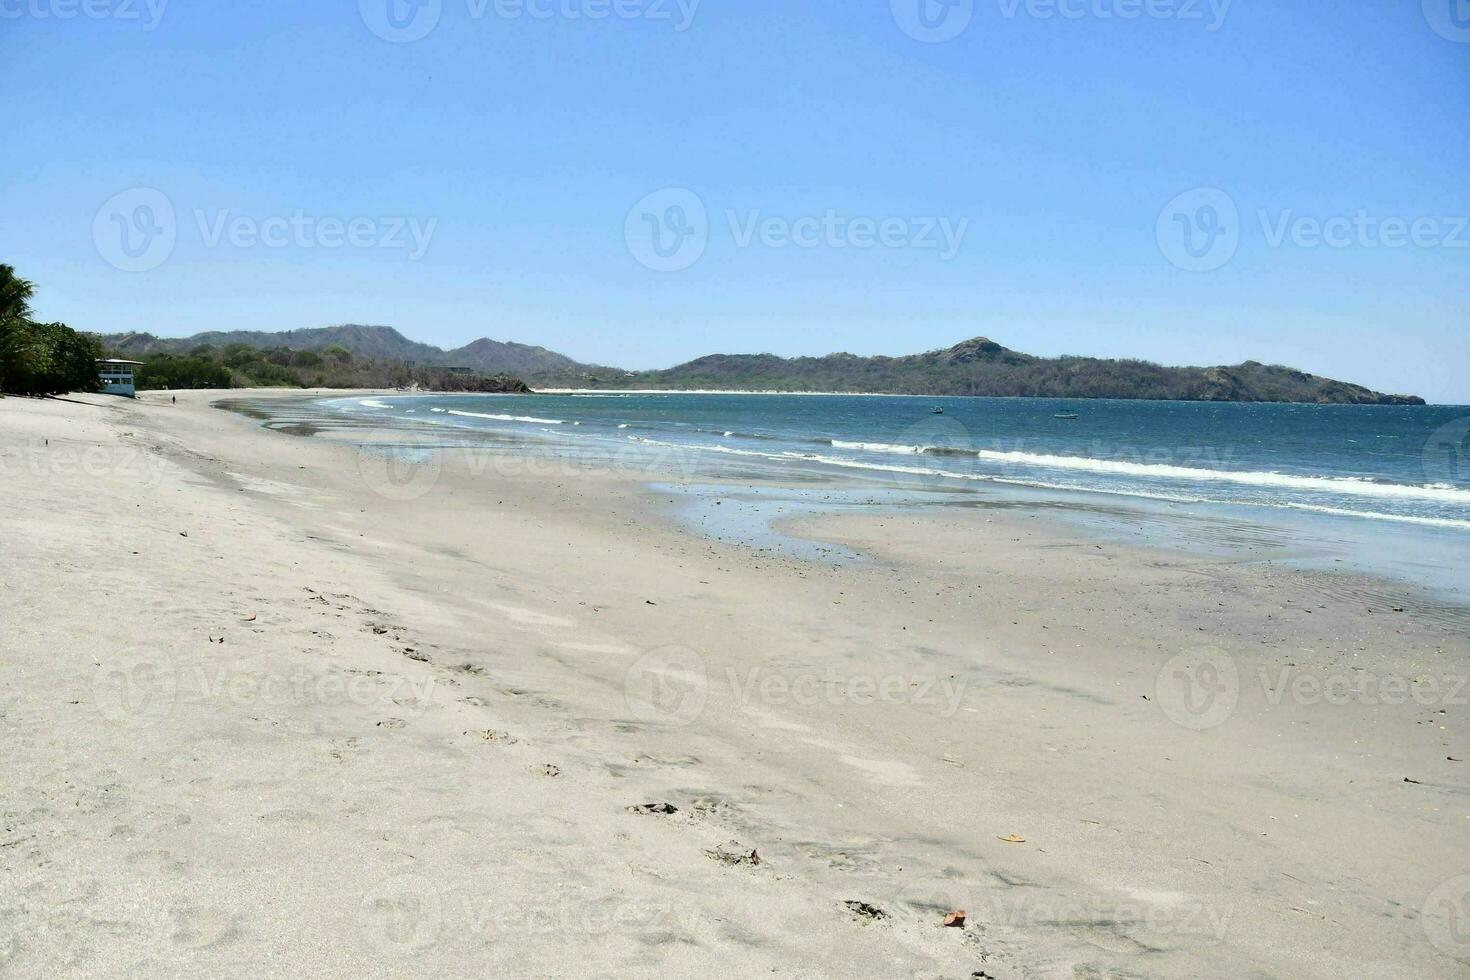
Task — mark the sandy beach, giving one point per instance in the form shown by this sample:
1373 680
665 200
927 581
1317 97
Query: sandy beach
271 710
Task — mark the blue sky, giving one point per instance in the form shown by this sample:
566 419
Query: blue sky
820 175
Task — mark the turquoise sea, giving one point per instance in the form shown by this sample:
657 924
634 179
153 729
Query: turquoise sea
1395 464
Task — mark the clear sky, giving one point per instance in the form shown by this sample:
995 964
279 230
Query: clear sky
1168 179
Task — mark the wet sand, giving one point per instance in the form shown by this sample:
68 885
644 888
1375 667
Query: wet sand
274 706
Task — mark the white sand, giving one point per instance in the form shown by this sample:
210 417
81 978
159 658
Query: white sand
354 783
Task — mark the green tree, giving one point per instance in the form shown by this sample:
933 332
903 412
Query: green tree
55 359
168 371
15 312
337 354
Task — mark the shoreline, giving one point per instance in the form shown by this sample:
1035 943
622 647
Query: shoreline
874 731
1084 399
1391 546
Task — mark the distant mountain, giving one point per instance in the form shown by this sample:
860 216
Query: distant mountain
384 343
974 367
983 367
518 359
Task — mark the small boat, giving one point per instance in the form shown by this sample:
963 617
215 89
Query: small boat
937 411
1066 415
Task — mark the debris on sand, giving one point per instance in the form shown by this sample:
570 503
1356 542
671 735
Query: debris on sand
864 910
955 919
549 769
491 735
735 853
664 808
1013 839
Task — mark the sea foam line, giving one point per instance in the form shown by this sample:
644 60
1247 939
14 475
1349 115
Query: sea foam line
846 463
505 418
1355 486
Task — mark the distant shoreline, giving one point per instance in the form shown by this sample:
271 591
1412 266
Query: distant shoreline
732 391
899 394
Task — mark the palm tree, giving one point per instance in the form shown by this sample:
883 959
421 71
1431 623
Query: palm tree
15 311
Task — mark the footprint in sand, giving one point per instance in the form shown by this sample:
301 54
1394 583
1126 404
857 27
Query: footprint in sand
491 735
204 927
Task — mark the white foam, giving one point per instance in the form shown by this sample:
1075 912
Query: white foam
373 403
505 418
1356 486
930 471
1353 485
877 447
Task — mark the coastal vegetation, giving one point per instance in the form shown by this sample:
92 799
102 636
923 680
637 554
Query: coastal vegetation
382 344
40 358
51 359
983 367
973 367
239 365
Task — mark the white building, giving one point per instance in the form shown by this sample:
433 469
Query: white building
116 375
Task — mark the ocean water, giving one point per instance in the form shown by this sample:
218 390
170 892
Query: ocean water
1406 464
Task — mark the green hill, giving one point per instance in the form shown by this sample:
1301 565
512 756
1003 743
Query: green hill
983 367
974 367
380 343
